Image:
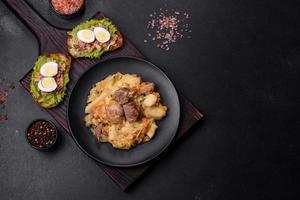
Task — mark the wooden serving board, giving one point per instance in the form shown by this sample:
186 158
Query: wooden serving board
53 40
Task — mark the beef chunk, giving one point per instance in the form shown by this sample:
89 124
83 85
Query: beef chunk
131 112
114 113
121 95
99 133
146 88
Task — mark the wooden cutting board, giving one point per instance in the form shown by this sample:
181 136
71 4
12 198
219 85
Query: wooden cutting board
53 40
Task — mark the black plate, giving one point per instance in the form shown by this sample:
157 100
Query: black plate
104 152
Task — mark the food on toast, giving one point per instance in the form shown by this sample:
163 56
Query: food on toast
93 38
49 79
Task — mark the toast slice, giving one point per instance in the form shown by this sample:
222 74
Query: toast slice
95 49
51 99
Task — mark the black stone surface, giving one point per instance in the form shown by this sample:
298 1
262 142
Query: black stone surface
241 68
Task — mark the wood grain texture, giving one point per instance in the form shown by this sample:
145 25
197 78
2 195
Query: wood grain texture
53 40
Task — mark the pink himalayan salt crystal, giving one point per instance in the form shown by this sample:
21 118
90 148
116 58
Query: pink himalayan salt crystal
167 27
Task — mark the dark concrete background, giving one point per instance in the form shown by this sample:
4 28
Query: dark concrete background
235 69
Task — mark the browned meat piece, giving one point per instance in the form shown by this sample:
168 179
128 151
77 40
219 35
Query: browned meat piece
131 112
99 133
81 46
114 113
121 95
89 47
97 45
146 88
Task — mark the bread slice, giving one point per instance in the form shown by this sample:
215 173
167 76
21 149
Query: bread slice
114 43
50 99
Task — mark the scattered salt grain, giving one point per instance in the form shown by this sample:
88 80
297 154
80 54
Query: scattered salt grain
5 88
167 27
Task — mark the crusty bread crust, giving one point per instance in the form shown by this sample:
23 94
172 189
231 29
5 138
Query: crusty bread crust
69 46
119 43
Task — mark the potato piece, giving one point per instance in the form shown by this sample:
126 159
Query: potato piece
94 104
155 112
152 130
108 81
112 133
149 100
131 80
103 86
